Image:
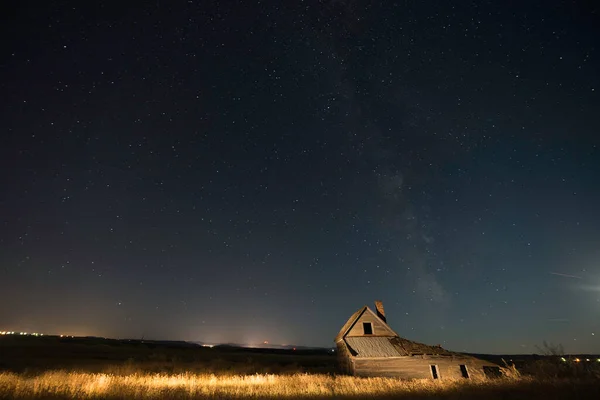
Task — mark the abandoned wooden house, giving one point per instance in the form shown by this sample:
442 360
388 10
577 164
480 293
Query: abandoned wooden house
367 346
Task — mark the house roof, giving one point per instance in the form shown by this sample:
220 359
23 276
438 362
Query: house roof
378 346
413 348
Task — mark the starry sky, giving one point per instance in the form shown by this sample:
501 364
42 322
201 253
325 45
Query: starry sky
247 171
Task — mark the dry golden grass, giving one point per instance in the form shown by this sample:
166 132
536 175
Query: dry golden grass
76 385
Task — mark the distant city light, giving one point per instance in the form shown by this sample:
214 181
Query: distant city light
4 333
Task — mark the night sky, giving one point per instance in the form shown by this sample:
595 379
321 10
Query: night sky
257 171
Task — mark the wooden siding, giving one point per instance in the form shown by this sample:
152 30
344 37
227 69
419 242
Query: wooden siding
418 367
379 327
345 363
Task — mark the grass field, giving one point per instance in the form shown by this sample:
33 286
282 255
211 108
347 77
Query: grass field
74 385
53 368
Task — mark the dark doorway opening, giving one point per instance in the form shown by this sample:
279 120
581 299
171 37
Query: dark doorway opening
463 371
367 328
434 372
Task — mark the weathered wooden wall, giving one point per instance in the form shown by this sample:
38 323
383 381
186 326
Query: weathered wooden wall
379 328
345 363
418 367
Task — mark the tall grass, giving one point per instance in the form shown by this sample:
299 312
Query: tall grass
77 385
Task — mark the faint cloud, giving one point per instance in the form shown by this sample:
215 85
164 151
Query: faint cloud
565 275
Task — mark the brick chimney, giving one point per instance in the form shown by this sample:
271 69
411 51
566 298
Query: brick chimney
379 308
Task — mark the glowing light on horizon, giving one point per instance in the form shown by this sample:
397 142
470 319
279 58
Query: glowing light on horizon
37 334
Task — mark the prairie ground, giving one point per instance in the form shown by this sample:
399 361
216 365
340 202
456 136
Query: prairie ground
39 354
92 368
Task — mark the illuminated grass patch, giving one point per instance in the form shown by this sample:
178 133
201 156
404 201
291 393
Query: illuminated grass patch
75 385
